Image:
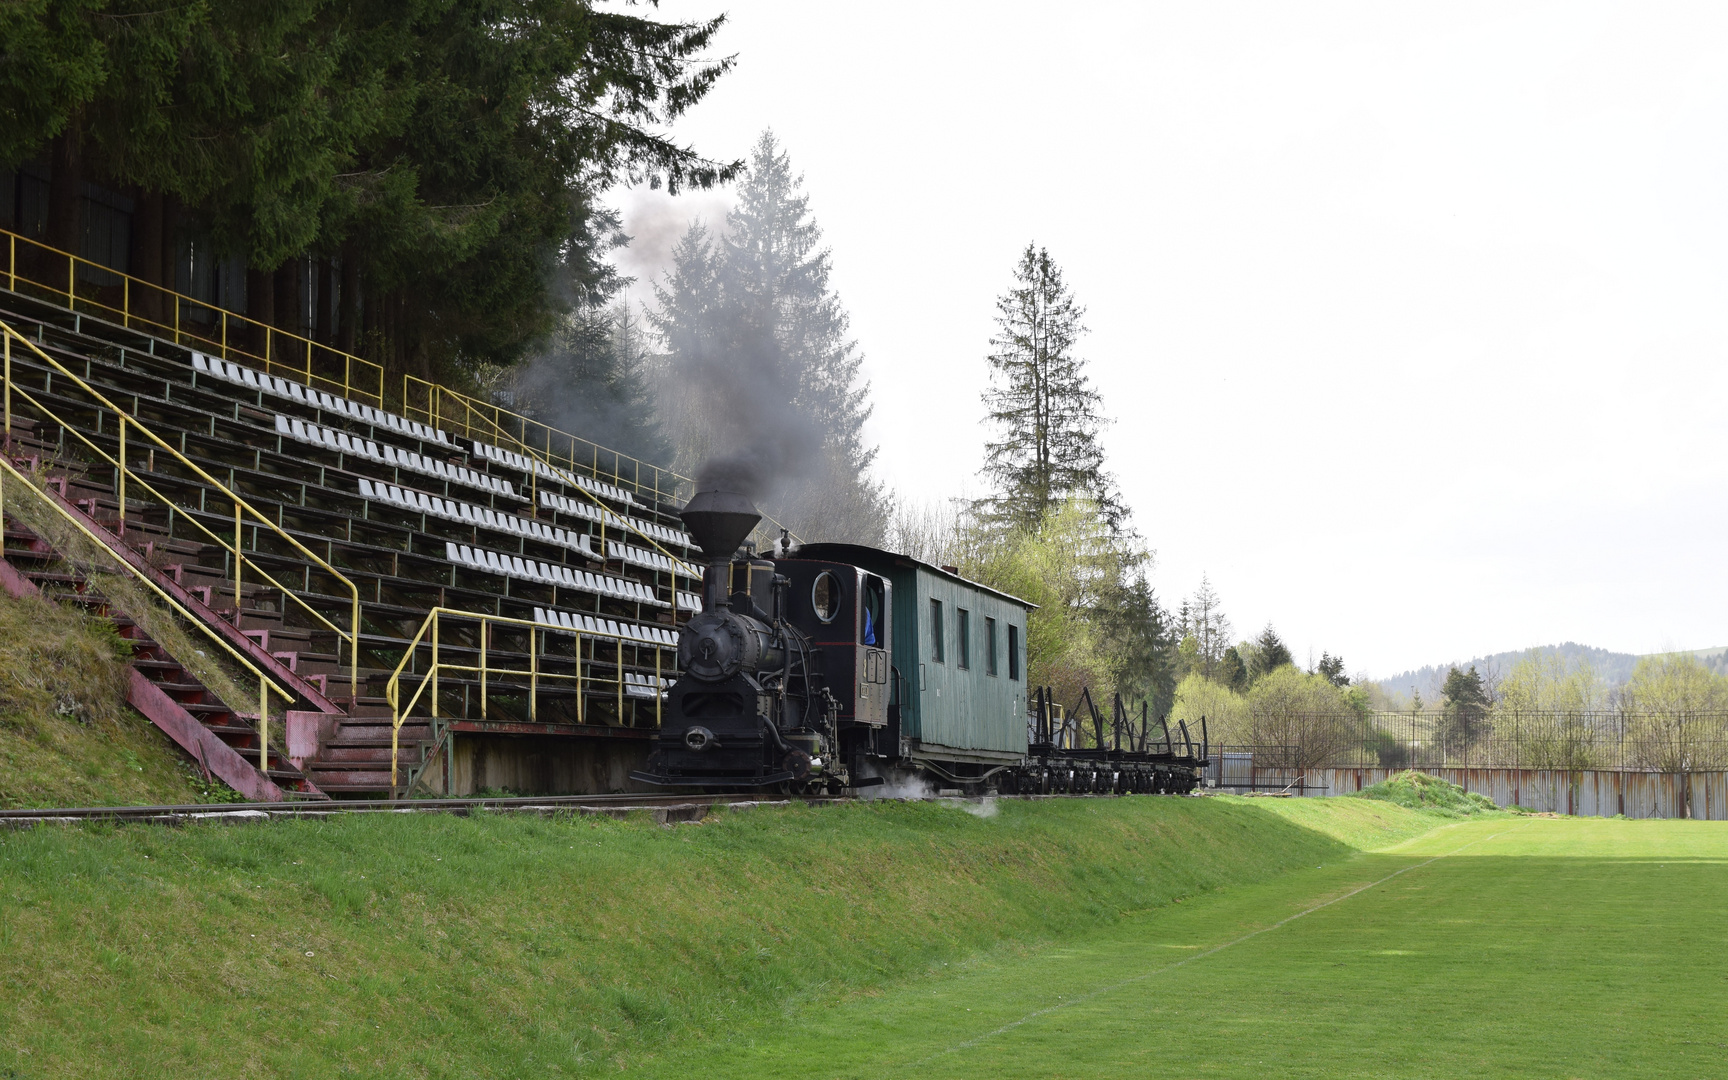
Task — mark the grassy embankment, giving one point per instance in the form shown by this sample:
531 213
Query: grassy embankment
67 736
500 946
1495 947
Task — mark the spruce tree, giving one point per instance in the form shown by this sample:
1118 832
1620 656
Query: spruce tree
1464 712
1270 653
1046 413
760 372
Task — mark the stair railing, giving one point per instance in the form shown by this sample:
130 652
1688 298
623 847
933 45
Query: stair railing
139 305
126 476
265 684
489 671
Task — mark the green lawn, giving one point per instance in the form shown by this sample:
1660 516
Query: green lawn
1057 938
1495 947
503 946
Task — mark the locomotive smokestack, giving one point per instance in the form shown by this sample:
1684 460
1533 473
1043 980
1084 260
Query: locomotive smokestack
718 520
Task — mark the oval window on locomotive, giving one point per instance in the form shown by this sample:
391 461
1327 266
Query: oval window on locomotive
825 596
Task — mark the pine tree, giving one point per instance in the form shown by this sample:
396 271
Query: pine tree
1333 668
1270 653
759 364
1233 670
1464 711
1046 413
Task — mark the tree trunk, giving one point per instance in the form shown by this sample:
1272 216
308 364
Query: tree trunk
349 322
260 307
325 309
146 254
66 192
290 307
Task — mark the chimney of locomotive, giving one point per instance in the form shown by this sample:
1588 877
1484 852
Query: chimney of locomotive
718 520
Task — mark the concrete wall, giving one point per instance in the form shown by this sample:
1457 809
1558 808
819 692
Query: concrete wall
539 765
1588 793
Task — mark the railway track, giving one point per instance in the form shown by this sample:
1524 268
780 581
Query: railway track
668 809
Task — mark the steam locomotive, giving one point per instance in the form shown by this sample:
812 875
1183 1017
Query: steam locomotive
834 668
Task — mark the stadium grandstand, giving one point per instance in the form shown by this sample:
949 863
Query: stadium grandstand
419 591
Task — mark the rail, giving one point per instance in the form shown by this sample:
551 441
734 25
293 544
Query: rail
184 320
496 432
81 284
489 673
493 416
265 683
141 305
125 477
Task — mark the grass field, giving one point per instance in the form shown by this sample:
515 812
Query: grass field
1496 947
1063 938
502 946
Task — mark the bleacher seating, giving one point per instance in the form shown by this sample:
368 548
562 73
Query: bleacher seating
416 516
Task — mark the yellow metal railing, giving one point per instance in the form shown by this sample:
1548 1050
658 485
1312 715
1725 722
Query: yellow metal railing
128 479
83 285
265 684
86 286
488 671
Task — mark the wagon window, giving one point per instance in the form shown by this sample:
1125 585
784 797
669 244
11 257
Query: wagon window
1013 652
963 631
936 630
825 596
990 645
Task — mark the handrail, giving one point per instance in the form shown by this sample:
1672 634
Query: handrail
399 712
135 291
265 683
123 472
223 345
569 480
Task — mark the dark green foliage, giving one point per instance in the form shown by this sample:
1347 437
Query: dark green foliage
1270 652
1333 668
1044 407
49 58
451 149
1141 642
1464 716
1232 671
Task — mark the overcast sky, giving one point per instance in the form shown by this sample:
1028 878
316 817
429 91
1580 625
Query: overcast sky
1411 316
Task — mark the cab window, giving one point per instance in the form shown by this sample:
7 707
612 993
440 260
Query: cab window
870 630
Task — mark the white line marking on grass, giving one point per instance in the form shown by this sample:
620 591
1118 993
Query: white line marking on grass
1143 976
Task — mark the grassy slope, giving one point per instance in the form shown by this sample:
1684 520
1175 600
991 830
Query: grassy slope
1538 947
67 737
504 946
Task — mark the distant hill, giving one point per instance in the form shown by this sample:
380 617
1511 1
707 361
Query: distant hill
1615 667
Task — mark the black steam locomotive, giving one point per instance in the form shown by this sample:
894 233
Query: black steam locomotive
833 667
